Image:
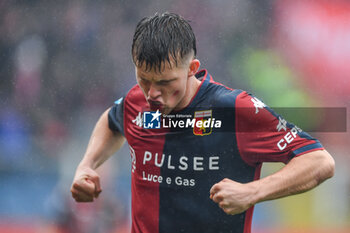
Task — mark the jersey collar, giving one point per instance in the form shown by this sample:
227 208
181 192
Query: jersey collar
205 79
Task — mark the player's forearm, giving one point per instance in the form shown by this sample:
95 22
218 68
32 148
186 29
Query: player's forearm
103 143
299 175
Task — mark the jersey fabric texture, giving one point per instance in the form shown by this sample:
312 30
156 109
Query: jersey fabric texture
173 170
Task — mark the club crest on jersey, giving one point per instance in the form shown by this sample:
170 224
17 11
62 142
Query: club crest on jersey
202 124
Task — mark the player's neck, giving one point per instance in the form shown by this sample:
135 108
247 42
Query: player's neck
192 88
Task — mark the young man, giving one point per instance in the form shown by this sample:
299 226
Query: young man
203 178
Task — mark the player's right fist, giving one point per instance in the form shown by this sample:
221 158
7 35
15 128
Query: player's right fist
86 185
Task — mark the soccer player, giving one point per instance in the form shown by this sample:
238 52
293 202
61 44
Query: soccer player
201 175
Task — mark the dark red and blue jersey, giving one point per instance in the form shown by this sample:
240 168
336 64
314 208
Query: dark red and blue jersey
173 167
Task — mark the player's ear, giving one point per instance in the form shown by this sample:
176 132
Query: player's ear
194 66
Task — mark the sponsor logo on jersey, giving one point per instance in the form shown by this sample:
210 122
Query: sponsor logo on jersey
288 138
138 120
282 124
202 125
181 163
258 104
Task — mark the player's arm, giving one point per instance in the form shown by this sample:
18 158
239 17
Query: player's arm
301 174
264 136
103 143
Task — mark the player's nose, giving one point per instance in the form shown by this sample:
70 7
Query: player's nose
153 92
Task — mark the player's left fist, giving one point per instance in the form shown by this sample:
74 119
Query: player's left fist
233 197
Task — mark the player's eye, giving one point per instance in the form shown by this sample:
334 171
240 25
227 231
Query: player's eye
144 81
163 82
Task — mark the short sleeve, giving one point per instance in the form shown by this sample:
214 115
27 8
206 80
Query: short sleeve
264 136
116 116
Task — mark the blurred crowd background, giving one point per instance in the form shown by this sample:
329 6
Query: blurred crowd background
62 63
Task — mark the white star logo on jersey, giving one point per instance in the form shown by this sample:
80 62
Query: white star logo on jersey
138 120
257 104
282 124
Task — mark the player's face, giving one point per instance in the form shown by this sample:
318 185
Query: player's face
172 88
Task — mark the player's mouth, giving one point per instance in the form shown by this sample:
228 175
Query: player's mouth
155 105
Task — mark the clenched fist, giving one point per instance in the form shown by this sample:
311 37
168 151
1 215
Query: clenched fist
86 185
233 197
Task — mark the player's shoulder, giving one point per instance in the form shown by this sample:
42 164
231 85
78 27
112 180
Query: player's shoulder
240 97
243 101
223 95
248 100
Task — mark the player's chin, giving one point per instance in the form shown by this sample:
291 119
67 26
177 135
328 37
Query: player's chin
159 107
155 108
165 110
